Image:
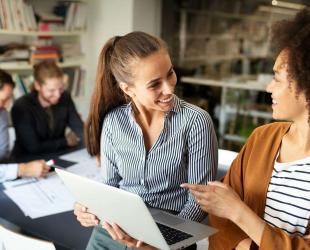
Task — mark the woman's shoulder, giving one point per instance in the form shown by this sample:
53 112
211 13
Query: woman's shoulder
270 132
117 113
192 109
116 120
120 110
194 114
274 127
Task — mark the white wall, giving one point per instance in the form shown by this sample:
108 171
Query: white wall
107 18
147 16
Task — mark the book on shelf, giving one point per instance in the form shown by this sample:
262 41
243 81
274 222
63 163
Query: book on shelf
15 55
30 17
74 79
44 52
76 16
14 52
2 18
20 15
17 15
20 88
49 22
6 18
45 16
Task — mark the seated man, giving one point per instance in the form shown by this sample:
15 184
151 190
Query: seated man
12 171
41 117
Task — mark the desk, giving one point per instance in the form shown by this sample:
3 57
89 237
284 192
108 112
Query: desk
224 108
62 229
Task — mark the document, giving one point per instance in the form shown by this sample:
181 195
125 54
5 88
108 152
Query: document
18 182
43 197
87 168
76 156
10 240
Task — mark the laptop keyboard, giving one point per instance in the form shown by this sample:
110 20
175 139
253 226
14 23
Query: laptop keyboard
172 235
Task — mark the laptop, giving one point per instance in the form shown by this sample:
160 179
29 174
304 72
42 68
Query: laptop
152 226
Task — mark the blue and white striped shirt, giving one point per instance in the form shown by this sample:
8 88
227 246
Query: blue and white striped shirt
185 151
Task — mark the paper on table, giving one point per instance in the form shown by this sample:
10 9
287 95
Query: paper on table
13 241
76 156
50 196
44 197
18 182
87 168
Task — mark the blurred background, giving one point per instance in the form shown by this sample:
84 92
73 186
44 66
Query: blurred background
220 49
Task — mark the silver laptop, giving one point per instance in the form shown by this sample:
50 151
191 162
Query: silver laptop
152 226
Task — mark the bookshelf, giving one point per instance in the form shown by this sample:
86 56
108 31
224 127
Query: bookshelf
23 66
49 37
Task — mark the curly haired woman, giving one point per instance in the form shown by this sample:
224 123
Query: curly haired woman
264 199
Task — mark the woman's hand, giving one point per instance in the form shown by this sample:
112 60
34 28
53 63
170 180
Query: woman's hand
217 198
86 219
119 235
221 200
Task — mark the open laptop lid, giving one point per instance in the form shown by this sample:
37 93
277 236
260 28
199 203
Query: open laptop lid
112 204
128 210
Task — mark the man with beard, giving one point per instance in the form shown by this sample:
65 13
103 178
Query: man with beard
41 117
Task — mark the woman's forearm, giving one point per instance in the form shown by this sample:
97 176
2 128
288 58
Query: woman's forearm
249 222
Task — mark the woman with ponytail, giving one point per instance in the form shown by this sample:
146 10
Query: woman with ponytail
148 140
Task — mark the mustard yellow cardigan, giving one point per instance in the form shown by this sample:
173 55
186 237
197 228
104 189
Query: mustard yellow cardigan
249 176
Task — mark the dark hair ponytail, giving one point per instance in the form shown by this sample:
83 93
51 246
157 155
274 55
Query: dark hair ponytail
106 96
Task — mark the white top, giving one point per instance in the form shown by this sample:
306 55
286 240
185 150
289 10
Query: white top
7 171
288 201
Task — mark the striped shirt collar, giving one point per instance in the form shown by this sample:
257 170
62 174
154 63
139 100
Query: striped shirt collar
175 109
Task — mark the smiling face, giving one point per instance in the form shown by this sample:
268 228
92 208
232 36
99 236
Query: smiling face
153 84
287 103
50 91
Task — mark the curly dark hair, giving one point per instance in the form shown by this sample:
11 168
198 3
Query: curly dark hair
294 37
